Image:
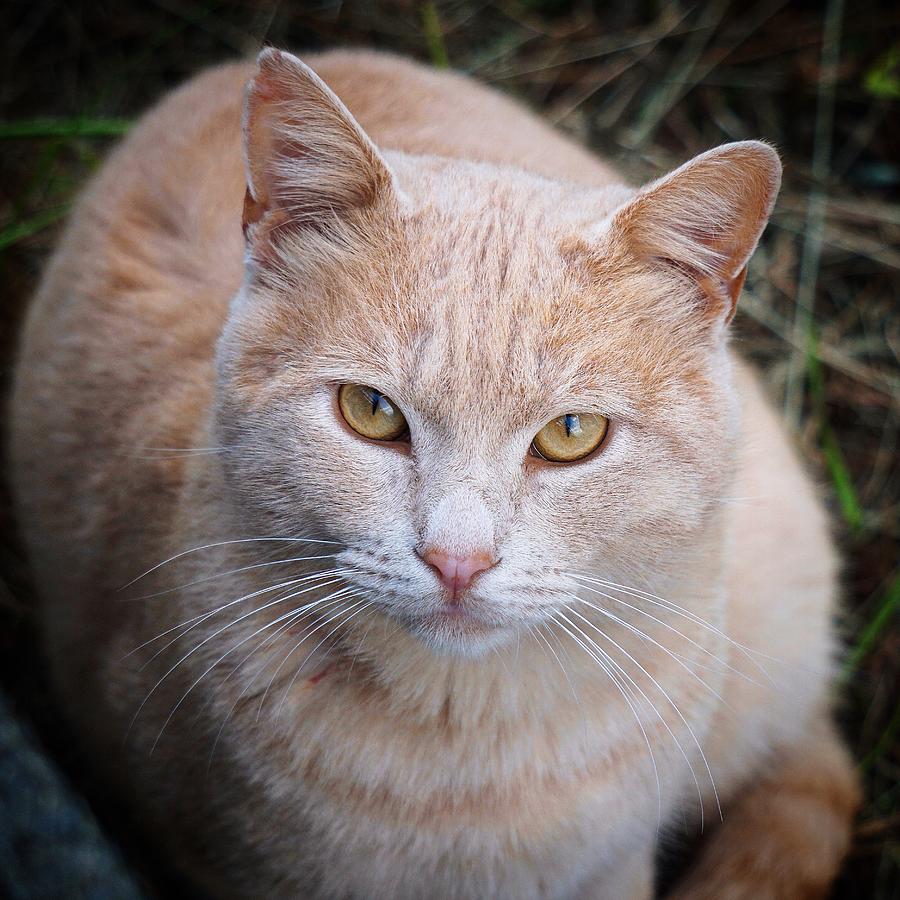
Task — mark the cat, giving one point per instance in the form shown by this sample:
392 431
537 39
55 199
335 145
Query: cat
403 523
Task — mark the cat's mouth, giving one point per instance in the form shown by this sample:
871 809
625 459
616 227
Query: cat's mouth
458 617
456 629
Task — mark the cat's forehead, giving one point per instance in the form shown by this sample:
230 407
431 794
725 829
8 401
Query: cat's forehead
481 310
491 305
490 317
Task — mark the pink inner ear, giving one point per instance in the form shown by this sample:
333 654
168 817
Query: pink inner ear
734 288
705 218
307 160
253 211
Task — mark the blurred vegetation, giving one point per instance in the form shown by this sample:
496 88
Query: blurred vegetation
647 84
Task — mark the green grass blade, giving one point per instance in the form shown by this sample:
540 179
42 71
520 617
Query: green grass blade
434 37
871 633
851 508
840 478
55 128
18 231
885 742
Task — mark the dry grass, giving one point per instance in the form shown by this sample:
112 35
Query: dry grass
647 84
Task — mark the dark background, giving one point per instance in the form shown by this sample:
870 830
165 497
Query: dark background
647 84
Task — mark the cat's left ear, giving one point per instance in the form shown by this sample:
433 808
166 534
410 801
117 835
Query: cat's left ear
308 162
705 219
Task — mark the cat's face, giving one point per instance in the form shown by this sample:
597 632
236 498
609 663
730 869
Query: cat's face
481 306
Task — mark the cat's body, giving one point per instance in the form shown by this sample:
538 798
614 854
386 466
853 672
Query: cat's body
387 768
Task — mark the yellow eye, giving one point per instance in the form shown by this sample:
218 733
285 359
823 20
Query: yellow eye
369 413
570 437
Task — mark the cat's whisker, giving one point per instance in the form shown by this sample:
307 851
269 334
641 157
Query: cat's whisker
501 660
359 607
155 454
621 688
593 649
674 706
211 637
237 571
646 637
671 628
539 634
655 599
710 666
284 622
356 654
289 540
198 619
368 604
353 592
210 669
563 648
184 449
291 618
669 605
287 619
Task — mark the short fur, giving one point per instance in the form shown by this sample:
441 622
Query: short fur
175 400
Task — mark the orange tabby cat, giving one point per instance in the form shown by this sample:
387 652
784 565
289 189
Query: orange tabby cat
474 562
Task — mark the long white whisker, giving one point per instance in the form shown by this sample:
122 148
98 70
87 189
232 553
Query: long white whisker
207 671
674 706
585 742
646 637
201 617
502 661
621 688
297 645
215 634
669 605
198 619
287 619
291 618
185 449
359 606
249 568
167 453
289 540
671 628
549 646
356 654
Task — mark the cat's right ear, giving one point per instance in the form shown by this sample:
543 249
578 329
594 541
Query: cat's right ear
307 160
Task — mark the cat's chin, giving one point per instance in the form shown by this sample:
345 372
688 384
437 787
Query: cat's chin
454 635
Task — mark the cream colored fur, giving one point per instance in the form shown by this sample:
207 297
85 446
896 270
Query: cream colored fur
488 275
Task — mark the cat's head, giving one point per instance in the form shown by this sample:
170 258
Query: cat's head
476 380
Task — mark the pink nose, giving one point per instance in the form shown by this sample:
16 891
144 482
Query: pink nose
456 572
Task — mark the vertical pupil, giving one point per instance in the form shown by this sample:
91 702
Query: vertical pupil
573 425
375 399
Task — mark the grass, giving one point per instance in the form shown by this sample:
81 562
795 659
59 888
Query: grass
873 632
62 128
647 84
841 479
434 36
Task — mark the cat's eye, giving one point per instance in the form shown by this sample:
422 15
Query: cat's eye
570 437
370 413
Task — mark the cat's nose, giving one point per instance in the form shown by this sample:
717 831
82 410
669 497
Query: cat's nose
456 572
